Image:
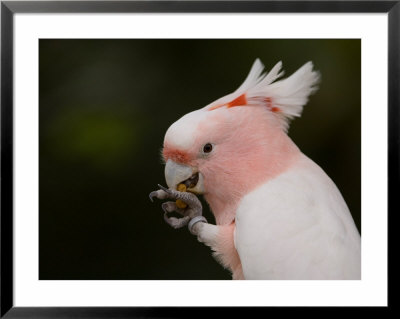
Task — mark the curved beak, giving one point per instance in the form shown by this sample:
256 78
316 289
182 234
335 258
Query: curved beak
176 174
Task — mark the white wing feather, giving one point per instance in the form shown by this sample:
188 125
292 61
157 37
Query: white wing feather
282 233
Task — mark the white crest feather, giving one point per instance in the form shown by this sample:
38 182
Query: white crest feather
287 96
254 77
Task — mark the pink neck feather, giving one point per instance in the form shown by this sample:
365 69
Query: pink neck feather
257 151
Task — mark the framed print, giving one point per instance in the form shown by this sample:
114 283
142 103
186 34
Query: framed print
264 132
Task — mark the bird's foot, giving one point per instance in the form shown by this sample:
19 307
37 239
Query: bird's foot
193 208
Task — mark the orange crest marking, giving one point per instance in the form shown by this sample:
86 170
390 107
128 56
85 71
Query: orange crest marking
239 101
242 101
274 109
268 101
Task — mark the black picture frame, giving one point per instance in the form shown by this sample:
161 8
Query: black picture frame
9 8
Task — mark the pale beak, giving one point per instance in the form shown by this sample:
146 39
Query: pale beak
176 174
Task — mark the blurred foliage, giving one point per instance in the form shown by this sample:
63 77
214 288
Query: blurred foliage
105 106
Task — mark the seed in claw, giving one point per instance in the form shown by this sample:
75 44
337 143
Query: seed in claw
179 203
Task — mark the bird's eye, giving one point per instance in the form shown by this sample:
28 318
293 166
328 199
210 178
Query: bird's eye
207 148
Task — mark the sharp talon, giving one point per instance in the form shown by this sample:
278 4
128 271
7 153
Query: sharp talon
164 189
152 195
166 218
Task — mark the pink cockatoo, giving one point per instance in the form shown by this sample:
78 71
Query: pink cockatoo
278 215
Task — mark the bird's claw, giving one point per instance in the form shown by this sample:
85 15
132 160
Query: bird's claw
193 209
160 194
173 221
167 190
189 198
152 195
164 207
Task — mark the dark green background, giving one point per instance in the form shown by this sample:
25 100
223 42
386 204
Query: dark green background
104 108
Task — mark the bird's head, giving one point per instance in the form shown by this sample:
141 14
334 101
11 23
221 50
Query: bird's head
229 147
